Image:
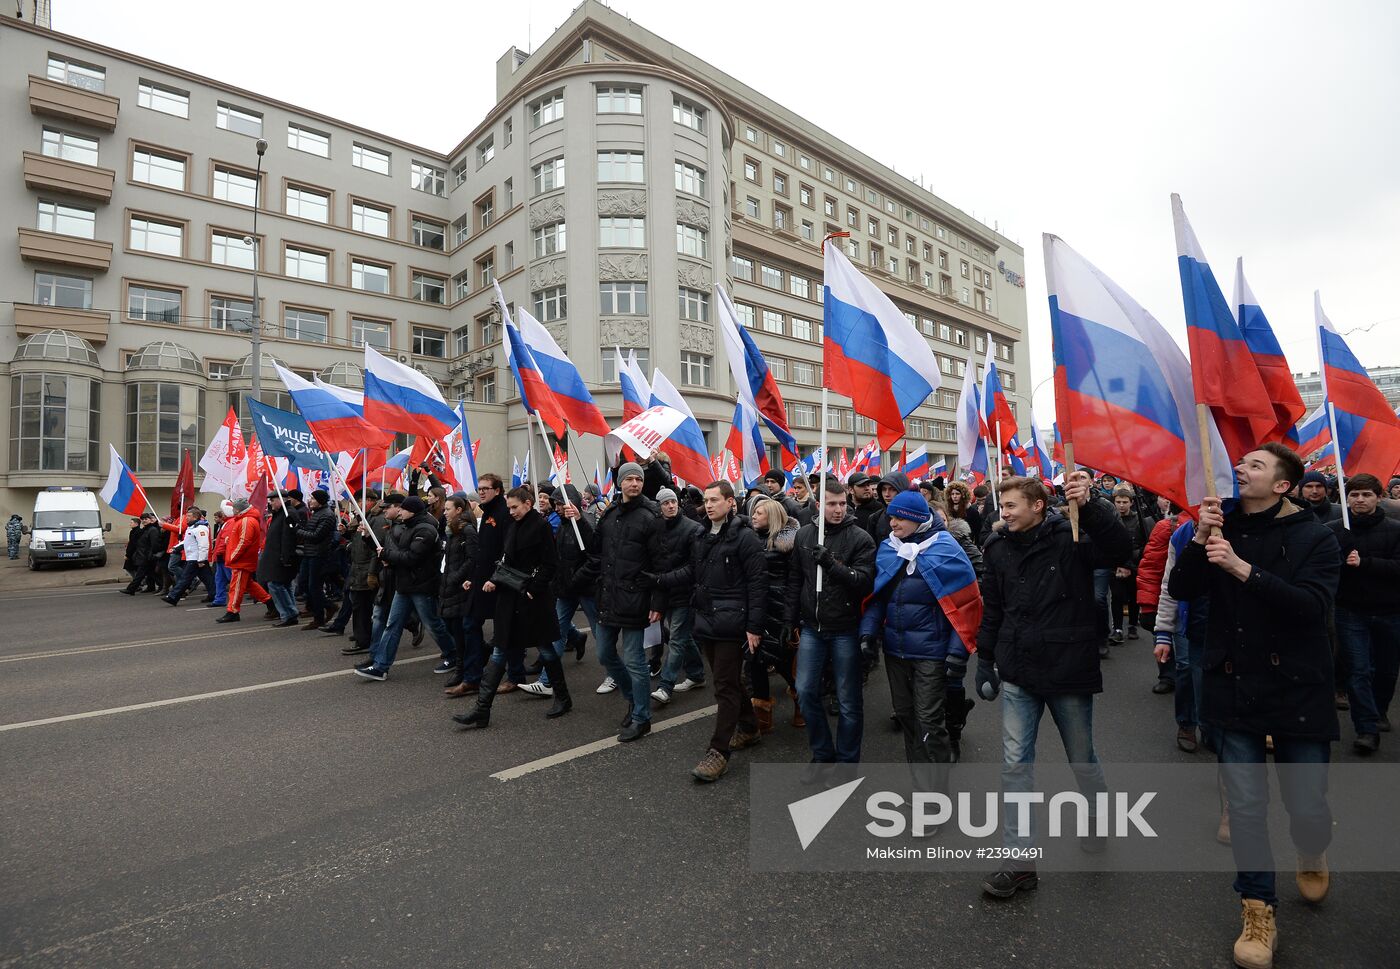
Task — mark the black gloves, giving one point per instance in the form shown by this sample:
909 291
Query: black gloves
823 556
648 580
988 683
869 650
954 671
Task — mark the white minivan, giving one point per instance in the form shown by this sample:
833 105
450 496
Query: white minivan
67 527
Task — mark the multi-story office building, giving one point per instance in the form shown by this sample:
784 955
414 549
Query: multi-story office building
1386 378
617 180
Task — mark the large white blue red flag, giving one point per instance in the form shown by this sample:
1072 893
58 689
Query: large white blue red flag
916 465
972 449
1123 391
662 425
755 383
1313 432
559 374
746 443
1368 432
870 351
337 423
400 398
997 415
1040 456
122 490
1268 358
636 392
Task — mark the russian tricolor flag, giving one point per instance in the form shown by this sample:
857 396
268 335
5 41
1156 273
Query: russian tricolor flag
939 469
659 425
1367 429
1040 456
997 416
1268 358
871 353
686 435
1314 432
560 376
337 423
972 450
756 386
916 466
399 398
746 443
636 392
122 490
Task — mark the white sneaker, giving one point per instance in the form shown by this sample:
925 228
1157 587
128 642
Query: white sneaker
687 684
608 685
661 696
537 688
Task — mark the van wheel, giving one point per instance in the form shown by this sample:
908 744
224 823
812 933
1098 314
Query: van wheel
33 565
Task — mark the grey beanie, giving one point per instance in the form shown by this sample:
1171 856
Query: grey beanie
628 470
666 494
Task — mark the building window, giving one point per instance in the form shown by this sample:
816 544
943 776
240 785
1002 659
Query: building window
427 288
486 270
966 297
428 342
309 264
461 230
620 166
809 231
547 109
461 285
804 195
622 299
551 304
232 185
308 140
690 115
230 250
423 177
508 131
308 325
892 265
151 235
770 277
53 289
745 313
627 232
508 191
804 373
69 146
486 389
549 239
68 220
619 100
238 120
461 341
157 168
428 234
485 211
374 333
829 207
851 186
370 159
691 241
752 208
799 286
872 228
741 267
772 322
853 250
219 369
695 369
694 305
928 279
77 74
371 277
853 218
803 415
548 175
230 313
608 358
485 151
306 203
370 219
782 217
892 236
962 268
489 326
751 170
690 179
750 133
162 420
151 304
828 175
801 329
777 366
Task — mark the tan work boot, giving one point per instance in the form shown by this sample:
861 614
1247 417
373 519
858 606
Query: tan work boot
1254 949
763 713
740 740
1313 877
711 767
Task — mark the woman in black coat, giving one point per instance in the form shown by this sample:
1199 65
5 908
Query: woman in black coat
453 597
771 522
525 618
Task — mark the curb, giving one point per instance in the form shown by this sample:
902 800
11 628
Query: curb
112 581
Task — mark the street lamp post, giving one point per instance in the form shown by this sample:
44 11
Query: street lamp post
257 264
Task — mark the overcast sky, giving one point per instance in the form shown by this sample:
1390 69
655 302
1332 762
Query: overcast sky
1276 121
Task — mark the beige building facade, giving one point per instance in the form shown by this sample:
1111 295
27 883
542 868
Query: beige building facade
617 180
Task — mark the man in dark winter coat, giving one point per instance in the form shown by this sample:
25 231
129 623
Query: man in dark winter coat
1105 565
277 565
1316 500
830 624
314 539
628 544
1038 643
656 474
1270 570
869 507
775 484
727 578
891 486
678 535
570 592
415 555
1368 609
144 551
492 526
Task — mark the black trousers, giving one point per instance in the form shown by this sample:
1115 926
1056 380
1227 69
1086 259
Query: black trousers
918 691
726 661
361 615
145 575
1124 596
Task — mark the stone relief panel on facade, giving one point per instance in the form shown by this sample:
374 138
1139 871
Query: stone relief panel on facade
621 267
546 274
697 338
693 213
627 332
546 211
560 332
694 275
627 201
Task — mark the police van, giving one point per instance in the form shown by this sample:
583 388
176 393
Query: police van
67 527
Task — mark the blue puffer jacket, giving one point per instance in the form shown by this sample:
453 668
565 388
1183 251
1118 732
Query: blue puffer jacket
909 617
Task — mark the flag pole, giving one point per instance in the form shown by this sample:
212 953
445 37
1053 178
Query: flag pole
1072 506
821 490
578 536
272 473
1341 471
330 467
1207 452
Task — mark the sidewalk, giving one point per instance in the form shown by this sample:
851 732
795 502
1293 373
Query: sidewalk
16 577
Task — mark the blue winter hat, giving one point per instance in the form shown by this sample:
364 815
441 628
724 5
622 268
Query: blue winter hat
910 505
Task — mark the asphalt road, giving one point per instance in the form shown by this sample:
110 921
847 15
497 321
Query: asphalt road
313 819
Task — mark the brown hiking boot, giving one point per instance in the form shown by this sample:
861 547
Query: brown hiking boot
507 687
740 740
1313 877
1254 949
711 767
763 713
461 689
1186 740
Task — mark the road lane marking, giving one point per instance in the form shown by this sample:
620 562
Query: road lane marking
564 756
80 650
153 704
59 595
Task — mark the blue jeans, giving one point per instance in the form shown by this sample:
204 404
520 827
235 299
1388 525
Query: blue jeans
283 599
1103 591
1021 712
843 650
1246 774
466 634
221 576
564 609
681 651
1372 648
387 646
188 573
1188 674
630 669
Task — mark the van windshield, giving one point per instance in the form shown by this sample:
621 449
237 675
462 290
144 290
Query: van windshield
67 518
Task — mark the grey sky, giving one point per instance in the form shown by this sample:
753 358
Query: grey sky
1275 121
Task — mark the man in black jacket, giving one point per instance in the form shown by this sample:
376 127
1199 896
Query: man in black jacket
628 544
277 564
830 623
314 538
775 484
569 586
1368 609
143 550
727 578
1315 498
492 526
678 535
415 555
869 509
1039 643
1105 566
1270 569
